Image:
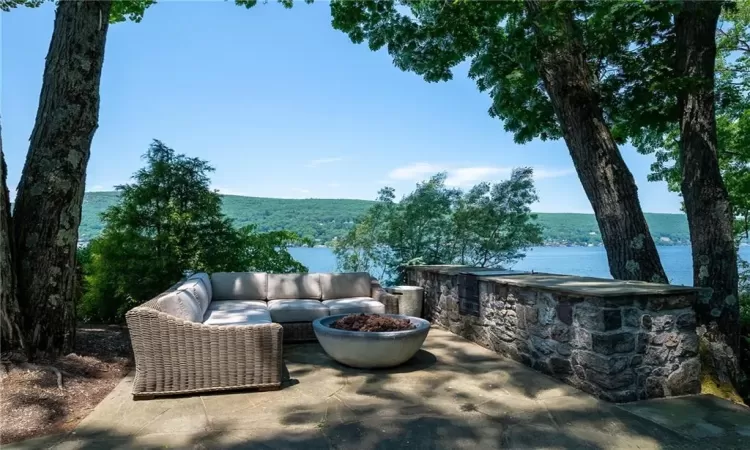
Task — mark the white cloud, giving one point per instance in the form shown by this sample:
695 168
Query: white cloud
317 162
472 175
542 173
466 176
229 191
334 185
302 191
416 171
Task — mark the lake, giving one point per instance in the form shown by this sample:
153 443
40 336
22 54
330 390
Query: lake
584 261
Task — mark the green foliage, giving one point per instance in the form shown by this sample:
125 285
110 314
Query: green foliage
250 3
7 5
133 10
167 223
121 10
502 43
487 226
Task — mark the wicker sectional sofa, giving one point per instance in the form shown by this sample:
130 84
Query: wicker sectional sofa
225 331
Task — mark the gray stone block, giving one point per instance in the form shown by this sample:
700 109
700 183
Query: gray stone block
686 379
610 343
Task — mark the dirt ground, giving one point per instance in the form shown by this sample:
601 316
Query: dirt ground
32 405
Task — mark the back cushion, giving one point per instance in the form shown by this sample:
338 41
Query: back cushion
344 285
181 304
203 277
199 291
239 285
293 285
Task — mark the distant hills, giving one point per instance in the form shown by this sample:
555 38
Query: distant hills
325 219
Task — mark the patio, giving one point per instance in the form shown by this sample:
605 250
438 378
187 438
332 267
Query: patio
454 394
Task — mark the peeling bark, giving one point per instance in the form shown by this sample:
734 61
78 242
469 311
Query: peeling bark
606 179
11 338
50 194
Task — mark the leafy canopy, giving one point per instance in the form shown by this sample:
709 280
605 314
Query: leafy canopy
168 223
121 10
502 47
487 226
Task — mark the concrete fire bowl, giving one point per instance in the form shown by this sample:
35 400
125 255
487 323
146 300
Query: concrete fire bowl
370 350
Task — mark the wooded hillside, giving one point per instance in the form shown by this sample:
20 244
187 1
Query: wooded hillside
325 219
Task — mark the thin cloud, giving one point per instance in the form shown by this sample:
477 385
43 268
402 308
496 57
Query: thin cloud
541 173
472 175
416 171
466 176
334 185
229 191
302 191
100 188
318 162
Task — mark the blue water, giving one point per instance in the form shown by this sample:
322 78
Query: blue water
584 261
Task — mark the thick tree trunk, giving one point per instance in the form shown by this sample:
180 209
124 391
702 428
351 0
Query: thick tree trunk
50 195
608 183
11 338
707 204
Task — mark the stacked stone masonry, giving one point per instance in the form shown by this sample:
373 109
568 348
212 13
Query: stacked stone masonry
620 348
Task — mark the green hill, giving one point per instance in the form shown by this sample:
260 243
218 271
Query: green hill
324 219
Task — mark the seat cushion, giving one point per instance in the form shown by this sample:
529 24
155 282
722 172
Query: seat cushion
296 310
345 285
239 285
181 304
205 279
199 291
355 305
293 286
227 305
240 316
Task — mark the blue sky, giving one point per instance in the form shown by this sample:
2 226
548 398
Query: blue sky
282 105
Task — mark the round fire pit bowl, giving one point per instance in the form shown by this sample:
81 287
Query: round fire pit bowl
370 349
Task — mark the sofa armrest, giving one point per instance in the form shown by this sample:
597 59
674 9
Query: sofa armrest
174 356
389 300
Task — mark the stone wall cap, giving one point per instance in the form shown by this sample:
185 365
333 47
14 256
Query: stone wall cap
568 284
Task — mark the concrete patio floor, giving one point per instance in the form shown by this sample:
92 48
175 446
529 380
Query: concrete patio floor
452 395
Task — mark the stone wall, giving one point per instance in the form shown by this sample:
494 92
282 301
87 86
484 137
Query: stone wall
618 342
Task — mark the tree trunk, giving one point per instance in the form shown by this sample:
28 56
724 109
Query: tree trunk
50 194
11 338
608 183
709 212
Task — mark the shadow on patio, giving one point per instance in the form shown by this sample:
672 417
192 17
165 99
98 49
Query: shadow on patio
452 395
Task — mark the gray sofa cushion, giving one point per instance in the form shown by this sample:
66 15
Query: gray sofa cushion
296 310
354 305
180 304
239 285
240 316
293 285
206 280
199 291
227 305
345 285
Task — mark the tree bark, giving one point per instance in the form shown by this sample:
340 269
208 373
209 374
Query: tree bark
608 183
50 194
11 338
707 205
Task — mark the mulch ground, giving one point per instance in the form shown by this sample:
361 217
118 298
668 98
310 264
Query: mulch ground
31 403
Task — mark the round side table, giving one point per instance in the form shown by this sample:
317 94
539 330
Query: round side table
409 299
